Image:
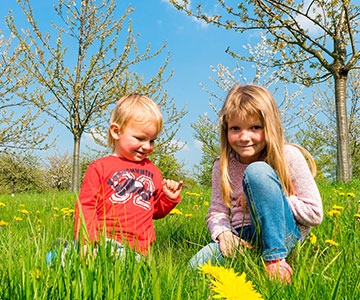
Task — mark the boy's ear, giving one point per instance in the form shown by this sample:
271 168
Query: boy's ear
115 131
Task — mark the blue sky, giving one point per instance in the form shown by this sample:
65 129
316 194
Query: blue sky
194 47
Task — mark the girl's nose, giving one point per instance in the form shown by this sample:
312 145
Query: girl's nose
243 135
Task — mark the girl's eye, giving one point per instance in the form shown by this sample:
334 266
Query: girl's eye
235 128
256 127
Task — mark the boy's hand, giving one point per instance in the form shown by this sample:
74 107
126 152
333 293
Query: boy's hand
171 188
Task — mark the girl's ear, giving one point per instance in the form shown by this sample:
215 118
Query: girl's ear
115 131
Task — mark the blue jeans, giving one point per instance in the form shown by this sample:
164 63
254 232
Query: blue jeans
273 229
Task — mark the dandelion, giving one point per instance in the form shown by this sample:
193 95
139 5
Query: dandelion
196 205
175 211
335 191
188 215
56 208
22 205
357 215
342 194
350 195
2 204
338 207
227 284
331 243
18 219
56 215
206 203
192 194
334 212
23 211
38 212
3 223
36 274
313 238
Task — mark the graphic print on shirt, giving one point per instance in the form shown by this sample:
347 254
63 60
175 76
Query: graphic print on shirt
126 187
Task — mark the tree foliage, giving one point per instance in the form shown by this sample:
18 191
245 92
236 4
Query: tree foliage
316 39
19 124
86 66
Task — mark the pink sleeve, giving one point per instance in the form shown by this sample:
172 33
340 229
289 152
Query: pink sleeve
306 204
218 217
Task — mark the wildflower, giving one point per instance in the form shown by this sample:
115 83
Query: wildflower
196 205
334 212
3 223
38 212
22 205
23 211
351 195
18 218
188 215
340 188
56 215
313 238
227 284
56 208
338 207
331 243
335 191
342 194
175 211
206 203
357 215
192 194
2 204
36 274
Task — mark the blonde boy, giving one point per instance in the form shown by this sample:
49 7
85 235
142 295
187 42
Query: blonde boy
122 193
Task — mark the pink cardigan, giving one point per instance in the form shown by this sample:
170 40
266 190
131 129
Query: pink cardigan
305 205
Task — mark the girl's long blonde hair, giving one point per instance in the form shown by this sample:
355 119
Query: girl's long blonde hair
256 101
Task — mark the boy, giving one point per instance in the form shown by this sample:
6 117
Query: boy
122 193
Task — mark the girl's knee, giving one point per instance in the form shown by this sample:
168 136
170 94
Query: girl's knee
258 170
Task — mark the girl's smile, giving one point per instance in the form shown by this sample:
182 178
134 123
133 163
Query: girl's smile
246 137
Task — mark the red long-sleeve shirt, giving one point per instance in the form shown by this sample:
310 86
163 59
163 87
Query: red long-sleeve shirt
122 197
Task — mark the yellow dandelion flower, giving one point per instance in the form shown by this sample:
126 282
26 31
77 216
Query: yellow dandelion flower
189 215
206 203
196 205
56 208
39 220
338 207
23 211
175 211
335 191
2 204
22 205
227 284
357 215
350 195
332 243
313 238
334 212
18 219
38 212
56 215
342 194
3 223
340 188
71 211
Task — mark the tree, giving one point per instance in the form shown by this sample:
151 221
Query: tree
20 172
206 130
105 50
317 39
18 130
319 134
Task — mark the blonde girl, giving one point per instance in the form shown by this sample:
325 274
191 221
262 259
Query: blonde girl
263 192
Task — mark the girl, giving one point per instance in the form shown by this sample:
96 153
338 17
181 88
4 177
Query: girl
263 193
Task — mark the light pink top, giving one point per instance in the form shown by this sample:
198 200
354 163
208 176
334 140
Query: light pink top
305 205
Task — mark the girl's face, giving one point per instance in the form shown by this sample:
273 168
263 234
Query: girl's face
246 137
136 141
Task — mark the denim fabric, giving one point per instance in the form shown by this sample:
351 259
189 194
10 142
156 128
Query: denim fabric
273 230
270 211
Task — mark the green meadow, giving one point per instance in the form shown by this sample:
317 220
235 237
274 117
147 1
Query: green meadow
326 265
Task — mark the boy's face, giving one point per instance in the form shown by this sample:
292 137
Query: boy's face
136 141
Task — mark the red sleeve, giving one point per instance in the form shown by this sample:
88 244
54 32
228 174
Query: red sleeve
163 205
88 200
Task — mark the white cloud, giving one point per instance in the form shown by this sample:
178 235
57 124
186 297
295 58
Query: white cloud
198 144
306 23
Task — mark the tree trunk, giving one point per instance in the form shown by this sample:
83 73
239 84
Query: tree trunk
75 183
343 171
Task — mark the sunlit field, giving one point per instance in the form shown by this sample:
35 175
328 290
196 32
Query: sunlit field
326 265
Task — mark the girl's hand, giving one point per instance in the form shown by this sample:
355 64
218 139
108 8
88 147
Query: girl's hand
241 201
228 242
171 188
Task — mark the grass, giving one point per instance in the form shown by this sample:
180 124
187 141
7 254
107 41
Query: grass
325 268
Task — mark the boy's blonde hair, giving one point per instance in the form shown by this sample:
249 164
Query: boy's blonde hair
255 101
136 107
